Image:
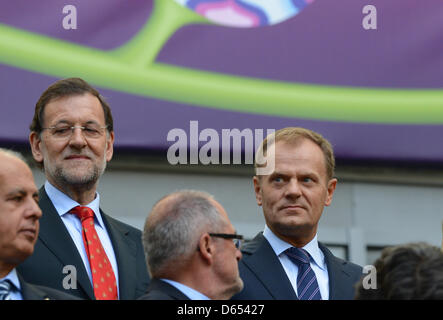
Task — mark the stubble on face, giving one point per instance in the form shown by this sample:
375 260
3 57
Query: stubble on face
227 266
69 177
227 269
74 165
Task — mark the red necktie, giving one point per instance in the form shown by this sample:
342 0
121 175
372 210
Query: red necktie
103 278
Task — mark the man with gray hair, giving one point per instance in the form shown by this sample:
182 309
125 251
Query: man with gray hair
72 140
192 249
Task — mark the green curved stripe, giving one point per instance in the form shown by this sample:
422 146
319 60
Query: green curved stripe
125 70
166 17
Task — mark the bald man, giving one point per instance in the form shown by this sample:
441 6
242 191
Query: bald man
19 226
192 249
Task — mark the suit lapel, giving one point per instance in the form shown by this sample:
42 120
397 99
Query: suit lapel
55 237
265 264
125 250
30 292
338 277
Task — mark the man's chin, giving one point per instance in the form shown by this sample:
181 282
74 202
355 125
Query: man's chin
294 221
292 227
79 178
23 251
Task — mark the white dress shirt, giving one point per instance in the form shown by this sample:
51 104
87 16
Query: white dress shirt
63 204
187 291
15 293
317 261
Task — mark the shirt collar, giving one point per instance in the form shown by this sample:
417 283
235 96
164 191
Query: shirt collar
12 276
280 246
188 291
63 204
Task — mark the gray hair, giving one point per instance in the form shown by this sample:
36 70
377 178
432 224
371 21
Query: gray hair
171 232
14 154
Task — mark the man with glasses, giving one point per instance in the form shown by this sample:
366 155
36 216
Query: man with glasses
80 249
192 249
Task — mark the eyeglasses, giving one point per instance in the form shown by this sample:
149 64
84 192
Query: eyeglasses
236 238
64 131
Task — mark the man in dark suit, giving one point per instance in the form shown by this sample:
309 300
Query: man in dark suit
80 249
191 249
286 261
19 227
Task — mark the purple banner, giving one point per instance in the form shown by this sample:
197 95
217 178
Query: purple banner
323 45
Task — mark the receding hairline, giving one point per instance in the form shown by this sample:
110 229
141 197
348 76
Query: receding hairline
15 157
70 96
64 88
164 205
295 136
192 209
12 154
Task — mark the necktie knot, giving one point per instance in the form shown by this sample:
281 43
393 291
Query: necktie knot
307 285
299 256
82 212
5 289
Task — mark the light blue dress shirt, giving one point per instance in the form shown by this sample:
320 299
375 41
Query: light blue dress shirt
317 261
63 204
15 293
187 291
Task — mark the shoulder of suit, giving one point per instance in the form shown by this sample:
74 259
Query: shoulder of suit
250 246
44 197
120 224
53 294
352 267
38 292
155 295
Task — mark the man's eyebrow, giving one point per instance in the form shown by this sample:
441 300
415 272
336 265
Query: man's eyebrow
69 123
15 192
309 174
278 173
62 121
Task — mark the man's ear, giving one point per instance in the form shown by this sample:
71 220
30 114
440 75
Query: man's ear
206 248
35 142
109 145
257 189
332 184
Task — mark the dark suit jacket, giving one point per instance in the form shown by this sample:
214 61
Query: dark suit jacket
161 290
55 249
265 279
33 292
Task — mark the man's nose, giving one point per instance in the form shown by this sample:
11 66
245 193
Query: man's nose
33 209
293 189
77 139
239 255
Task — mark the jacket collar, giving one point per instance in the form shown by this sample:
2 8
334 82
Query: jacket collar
259 257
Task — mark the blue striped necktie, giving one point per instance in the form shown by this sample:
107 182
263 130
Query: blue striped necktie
307 285
5 289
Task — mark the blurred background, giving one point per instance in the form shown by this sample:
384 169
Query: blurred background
376 93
